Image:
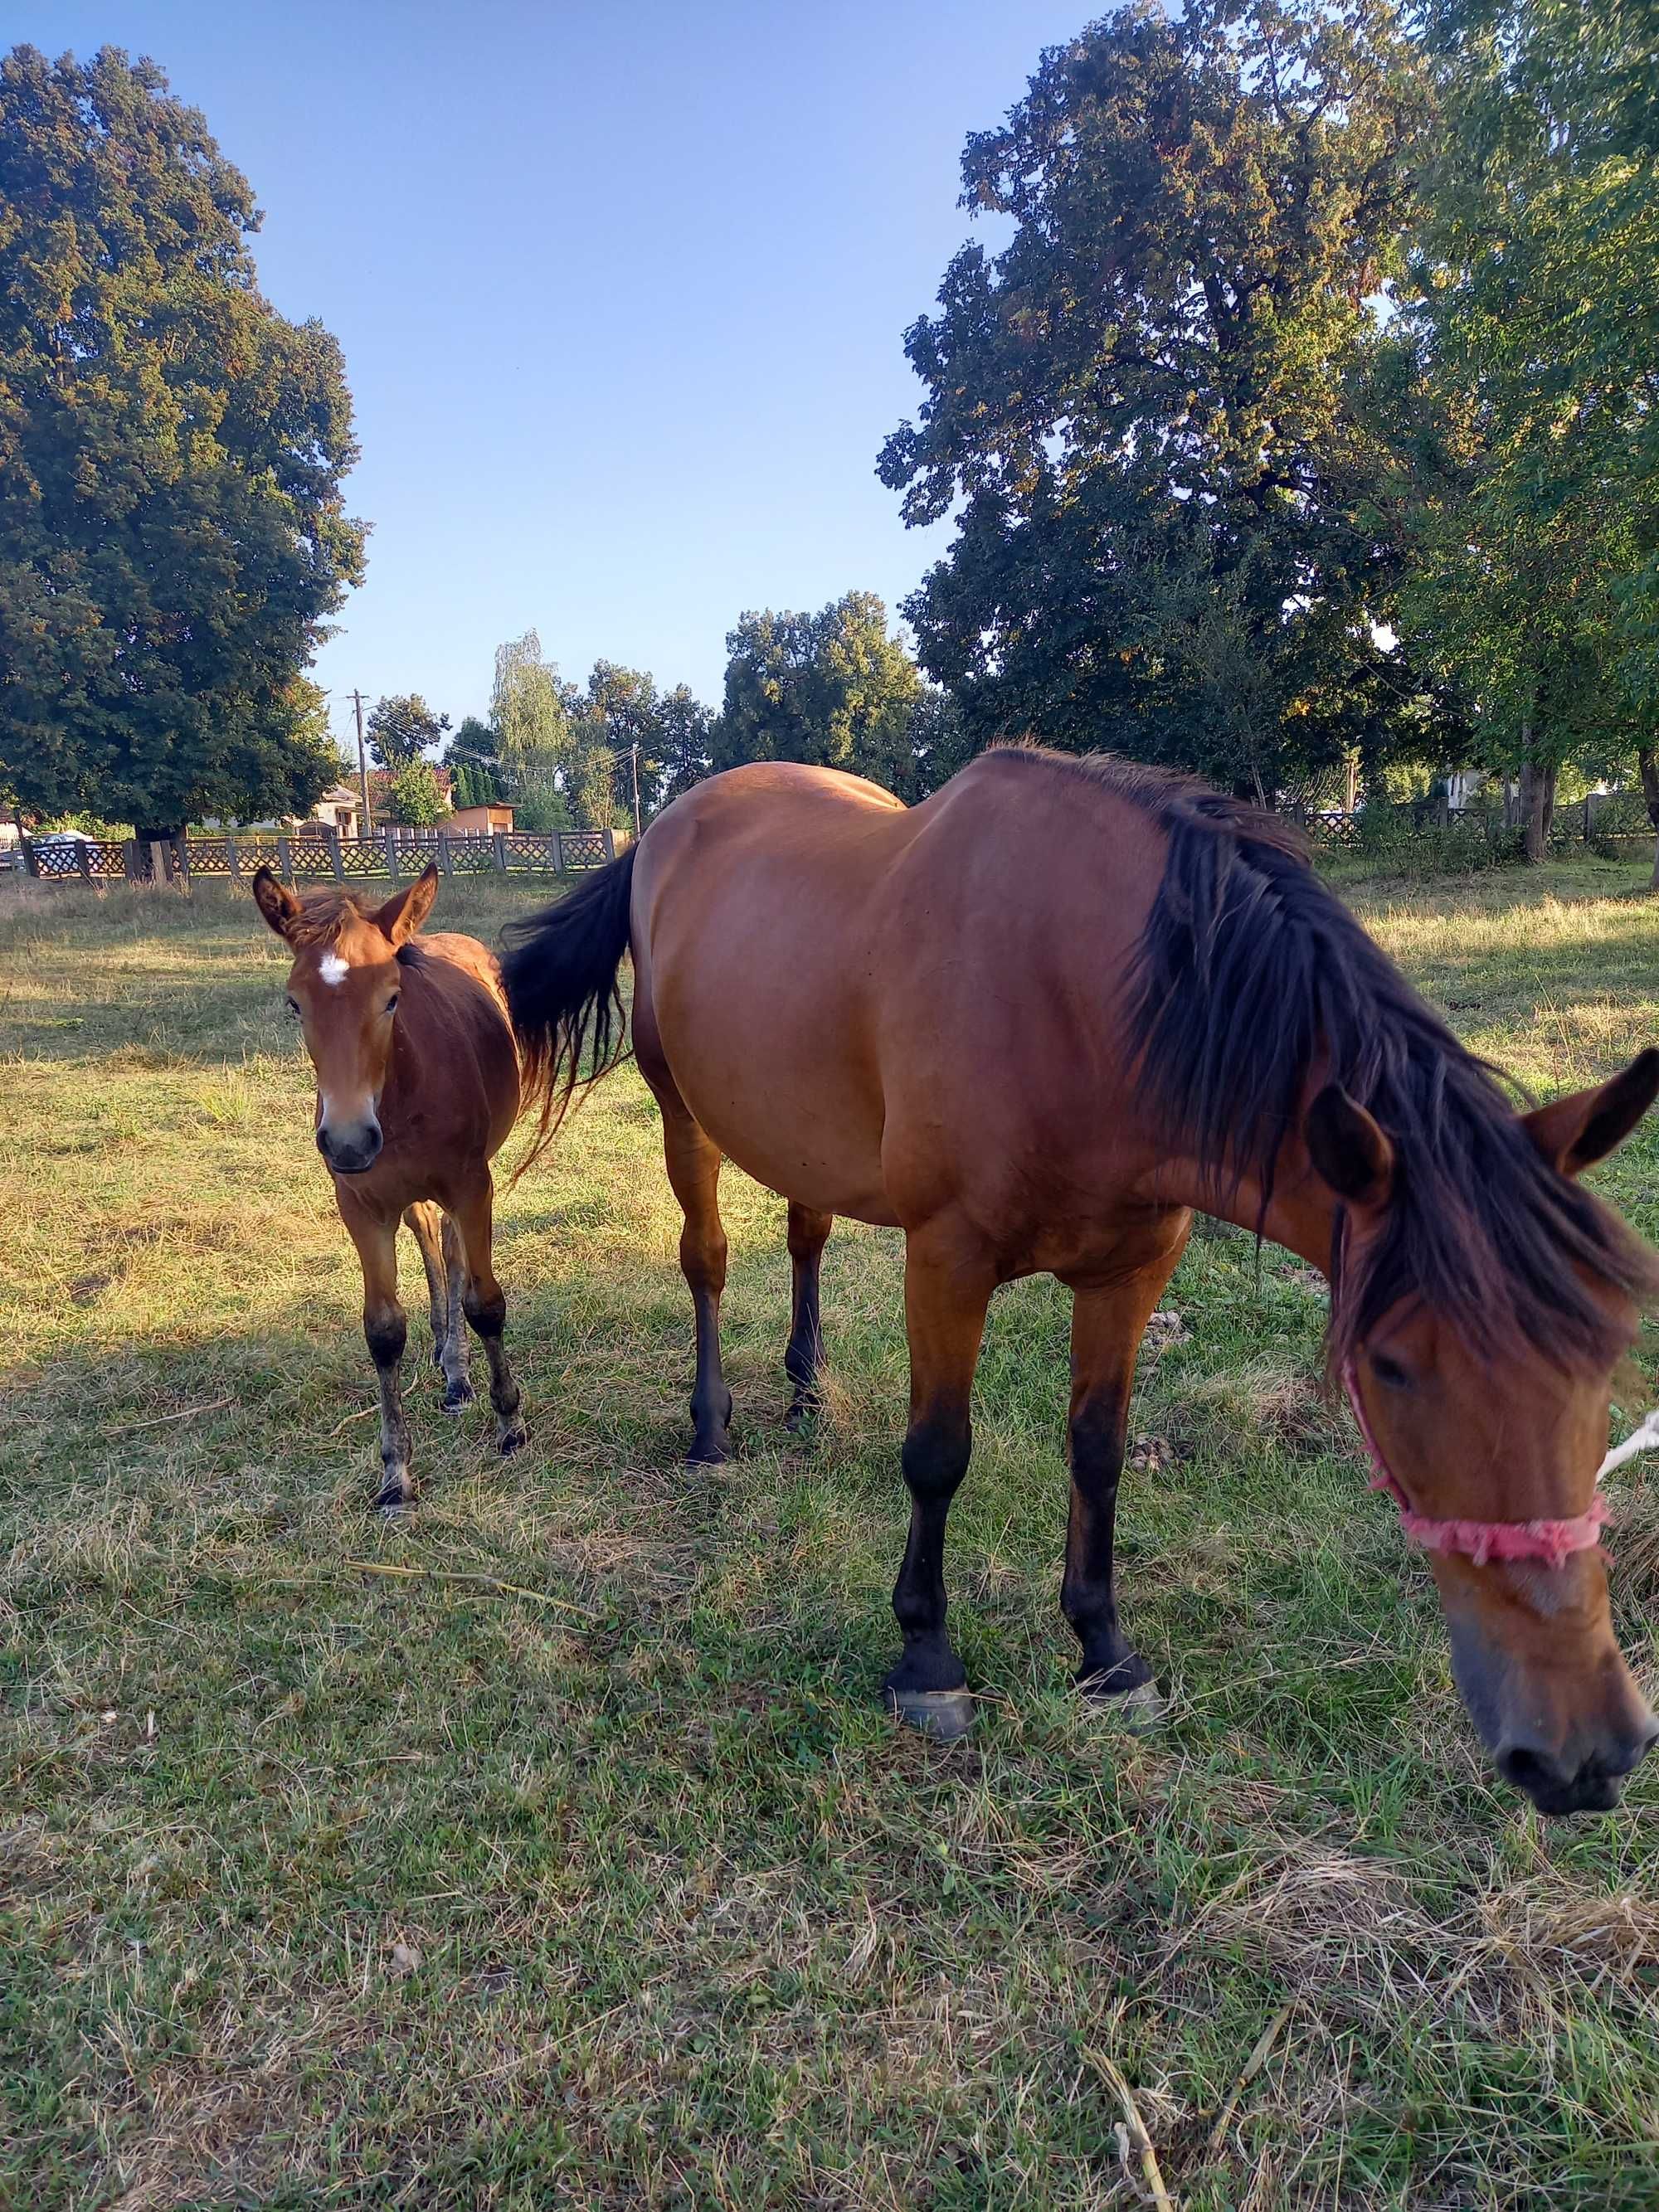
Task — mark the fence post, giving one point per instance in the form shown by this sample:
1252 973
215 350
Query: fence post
334 853
610 842
134 863
31 866
391 855
84 862
159 871
233 859
445 864
1587 818
285 859
498 847
556 839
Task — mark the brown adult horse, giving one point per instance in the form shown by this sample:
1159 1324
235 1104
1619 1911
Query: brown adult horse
1032 1022
418 1088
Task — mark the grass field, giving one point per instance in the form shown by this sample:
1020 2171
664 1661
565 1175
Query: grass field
335 1873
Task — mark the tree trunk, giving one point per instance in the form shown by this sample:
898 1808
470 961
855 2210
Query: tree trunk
1647 761
1537 806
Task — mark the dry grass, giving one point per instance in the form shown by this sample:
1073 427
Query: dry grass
574 1862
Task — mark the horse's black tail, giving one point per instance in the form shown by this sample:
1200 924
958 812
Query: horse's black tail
561 967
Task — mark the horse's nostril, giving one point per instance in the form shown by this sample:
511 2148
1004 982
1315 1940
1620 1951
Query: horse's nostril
1531 1770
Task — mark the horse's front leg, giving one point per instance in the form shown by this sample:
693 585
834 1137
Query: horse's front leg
1108 1322
947 1288
385 1332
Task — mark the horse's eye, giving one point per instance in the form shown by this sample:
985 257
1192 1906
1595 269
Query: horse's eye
1389 1372
293 1008
392 1003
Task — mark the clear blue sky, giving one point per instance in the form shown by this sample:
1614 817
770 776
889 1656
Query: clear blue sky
622 289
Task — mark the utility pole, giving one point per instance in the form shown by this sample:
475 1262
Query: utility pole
634 758
362 765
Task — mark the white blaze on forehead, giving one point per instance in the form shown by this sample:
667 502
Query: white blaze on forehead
332 968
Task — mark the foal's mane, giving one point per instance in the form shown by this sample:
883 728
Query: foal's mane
1248 970
324 917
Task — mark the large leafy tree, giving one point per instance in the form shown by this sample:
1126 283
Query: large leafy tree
1143 409
683 746
1529 432
832 688
402 727
171 532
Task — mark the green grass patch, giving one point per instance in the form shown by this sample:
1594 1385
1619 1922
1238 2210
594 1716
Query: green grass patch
325 1885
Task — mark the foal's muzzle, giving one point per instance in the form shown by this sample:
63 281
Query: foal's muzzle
1563 1782
350 1152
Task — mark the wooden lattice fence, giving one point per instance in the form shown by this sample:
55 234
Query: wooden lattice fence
319 855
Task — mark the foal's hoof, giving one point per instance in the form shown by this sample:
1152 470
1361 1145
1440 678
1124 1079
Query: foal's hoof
457 1396
709 1451
1139 1710
945 1715
511 1440
801 1415
394 1500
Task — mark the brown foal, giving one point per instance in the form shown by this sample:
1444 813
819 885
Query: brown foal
1033 1023
418 1088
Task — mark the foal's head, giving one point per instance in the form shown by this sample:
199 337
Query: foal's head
1491 1442
344 989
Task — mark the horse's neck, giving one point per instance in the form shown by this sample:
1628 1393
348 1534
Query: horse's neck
1301 1214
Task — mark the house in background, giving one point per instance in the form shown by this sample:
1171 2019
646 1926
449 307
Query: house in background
337 810
478 820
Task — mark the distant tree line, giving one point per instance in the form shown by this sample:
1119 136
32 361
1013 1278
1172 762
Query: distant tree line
1302 431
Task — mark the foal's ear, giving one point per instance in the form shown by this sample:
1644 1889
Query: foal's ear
1574 1132
1348 1148
400 917
276 902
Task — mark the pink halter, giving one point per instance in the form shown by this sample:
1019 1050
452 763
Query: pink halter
1551 1541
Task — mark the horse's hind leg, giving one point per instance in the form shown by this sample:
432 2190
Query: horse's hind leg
385 1332
440 1254
693 1169
1108 1322
484 1303
947 1287
809 1232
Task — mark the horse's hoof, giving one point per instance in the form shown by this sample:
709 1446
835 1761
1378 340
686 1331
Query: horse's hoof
393 1505
1139 1710
709 1452
457 1396
945 1715
800 1416
511 1440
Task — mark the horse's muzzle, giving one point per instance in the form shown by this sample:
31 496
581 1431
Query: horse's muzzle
1558 1783
351 1151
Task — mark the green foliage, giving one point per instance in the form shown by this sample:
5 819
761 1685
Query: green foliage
402 728
474 762
172 450
413 795
547 741
832 690
1145 404
683 747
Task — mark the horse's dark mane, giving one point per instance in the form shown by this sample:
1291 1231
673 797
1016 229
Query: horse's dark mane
1251 971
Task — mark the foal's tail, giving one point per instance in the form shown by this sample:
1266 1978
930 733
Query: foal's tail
560 969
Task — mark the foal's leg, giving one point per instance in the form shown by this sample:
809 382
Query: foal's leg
946 1291
693 1169
1108 1322
484 1303
440 1253
809 1232
385 1332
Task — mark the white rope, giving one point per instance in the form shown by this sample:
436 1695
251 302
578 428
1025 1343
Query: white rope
1643 1439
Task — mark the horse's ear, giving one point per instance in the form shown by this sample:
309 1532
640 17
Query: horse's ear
1348 1148
276 902
1574 1132
400 917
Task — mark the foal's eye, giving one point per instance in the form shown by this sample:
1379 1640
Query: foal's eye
293 1008
1389 1372
392 1003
